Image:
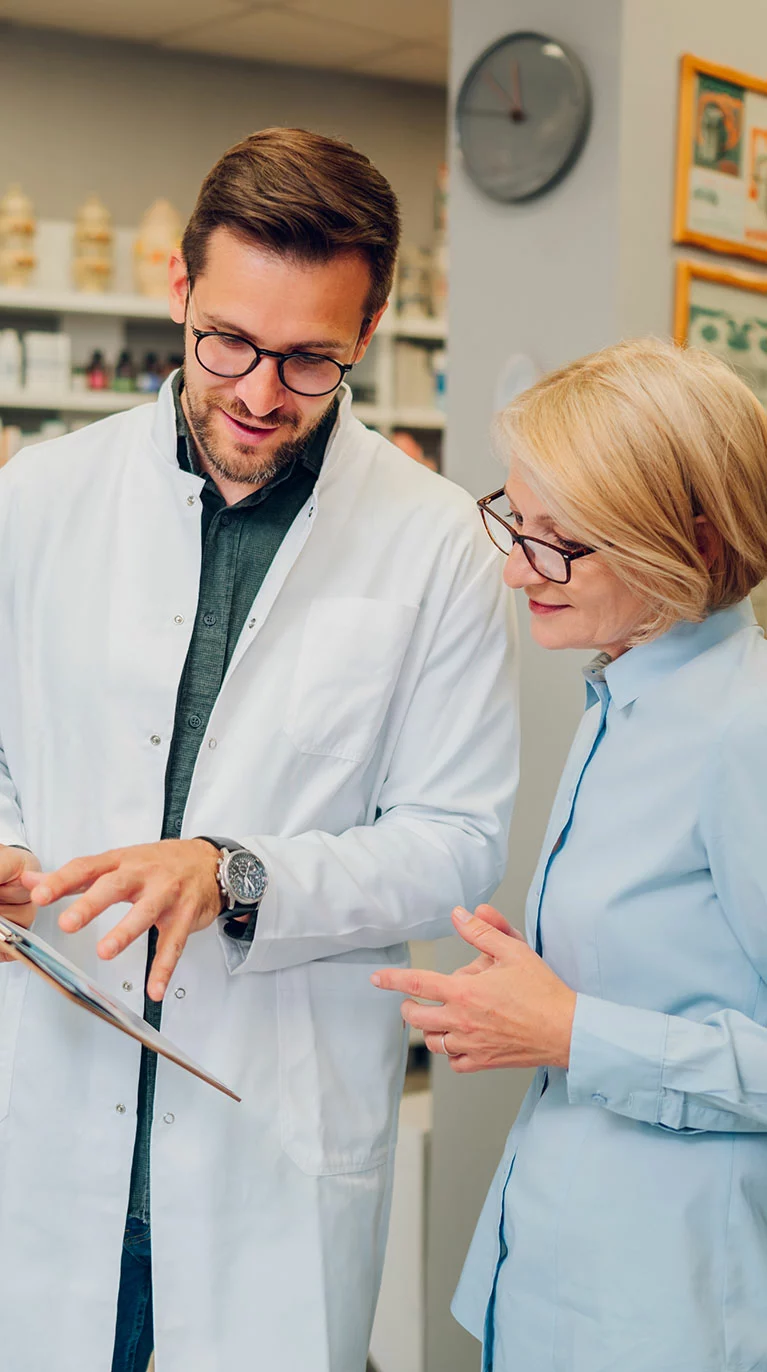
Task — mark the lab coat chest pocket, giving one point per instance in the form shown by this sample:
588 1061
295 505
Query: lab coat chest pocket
13 984
348 664
342 1050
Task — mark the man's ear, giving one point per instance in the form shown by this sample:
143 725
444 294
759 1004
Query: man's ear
708 539
178 287
368 329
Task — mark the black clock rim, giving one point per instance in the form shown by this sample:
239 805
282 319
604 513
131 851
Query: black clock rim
579 141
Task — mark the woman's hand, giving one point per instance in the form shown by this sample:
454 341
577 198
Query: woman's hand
15 902
510 1011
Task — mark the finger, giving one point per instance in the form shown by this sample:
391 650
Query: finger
482 936
432 1017
70 879
108 890
139 918
490 915
12 862
170 946
413 981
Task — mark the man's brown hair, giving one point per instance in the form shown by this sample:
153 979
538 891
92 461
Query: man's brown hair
304 195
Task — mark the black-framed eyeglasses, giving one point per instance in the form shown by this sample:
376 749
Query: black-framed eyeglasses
228 355
546 559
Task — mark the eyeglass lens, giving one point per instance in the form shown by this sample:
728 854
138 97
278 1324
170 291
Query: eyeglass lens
307 375
545 561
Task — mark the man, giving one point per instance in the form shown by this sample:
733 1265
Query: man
254 709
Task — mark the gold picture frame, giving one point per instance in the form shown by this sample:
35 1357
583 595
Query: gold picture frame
724 310
720 200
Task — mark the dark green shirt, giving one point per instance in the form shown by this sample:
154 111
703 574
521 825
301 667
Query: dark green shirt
239 543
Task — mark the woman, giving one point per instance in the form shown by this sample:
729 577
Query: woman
626 1227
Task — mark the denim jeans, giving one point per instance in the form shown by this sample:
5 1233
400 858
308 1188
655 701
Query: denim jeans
134 1333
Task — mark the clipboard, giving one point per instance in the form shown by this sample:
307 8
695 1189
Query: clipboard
73 983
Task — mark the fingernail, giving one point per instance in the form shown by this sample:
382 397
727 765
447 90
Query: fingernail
463 916
376 980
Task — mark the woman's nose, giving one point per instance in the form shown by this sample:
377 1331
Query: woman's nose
517 571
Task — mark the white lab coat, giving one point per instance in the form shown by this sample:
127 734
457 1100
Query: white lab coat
364 745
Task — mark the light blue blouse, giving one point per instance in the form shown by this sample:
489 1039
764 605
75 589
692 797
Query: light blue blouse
626 1227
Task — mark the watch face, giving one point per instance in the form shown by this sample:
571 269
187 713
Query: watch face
246 877
523 115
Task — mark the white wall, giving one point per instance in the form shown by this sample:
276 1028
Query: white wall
540 278
134 123
655 34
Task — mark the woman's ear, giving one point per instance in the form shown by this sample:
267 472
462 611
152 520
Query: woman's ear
708 539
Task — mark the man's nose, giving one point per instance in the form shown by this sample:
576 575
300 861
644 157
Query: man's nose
261 390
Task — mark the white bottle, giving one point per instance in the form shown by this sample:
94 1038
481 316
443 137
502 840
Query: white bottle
10 360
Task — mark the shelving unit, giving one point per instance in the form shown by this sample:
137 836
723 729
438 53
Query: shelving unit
99 321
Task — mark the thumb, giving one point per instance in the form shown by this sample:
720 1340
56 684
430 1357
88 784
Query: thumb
490 915
483 936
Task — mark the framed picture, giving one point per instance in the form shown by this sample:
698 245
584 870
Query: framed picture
721 176
724 311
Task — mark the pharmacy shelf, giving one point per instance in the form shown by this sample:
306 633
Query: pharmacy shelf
146 307
73 402
79 302
383 418
395 326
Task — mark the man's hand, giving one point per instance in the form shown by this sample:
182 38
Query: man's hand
514 1012
15 903
171 884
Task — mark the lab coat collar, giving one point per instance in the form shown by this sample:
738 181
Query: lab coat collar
647 663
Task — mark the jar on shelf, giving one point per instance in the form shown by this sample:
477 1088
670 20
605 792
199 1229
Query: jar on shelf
93 261
17 237
159 234
125 373
96 372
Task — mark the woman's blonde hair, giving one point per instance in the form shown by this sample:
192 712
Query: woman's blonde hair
626 447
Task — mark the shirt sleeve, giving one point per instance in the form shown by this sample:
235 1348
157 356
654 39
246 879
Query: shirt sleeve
439 836
672 1070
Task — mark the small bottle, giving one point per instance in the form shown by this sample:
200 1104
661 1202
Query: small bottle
125 373
149 379
96 372
439 369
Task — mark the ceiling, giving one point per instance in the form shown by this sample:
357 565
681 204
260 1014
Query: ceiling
406 40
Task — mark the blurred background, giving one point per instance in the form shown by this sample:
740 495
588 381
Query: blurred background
559 192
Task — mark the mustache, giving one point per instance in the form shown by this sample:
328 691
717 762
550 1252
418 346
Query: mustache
238 410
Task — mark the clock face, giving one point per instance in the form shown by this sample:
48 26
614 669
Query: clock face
523 115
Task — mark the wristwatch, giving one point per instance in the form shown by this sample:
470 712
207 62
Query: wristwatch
241 876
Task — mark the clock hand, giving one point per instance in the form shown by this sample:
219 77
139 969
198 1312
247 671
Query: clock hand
491 80
517 109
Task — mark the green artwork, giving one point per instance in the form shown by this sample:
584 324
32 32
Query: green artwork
718 132
740 340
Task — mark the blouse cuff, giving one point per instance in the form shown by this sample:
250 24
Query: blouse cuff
616 1058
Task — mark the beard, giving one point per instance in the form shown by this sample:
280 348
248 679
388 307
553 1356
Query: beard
237 461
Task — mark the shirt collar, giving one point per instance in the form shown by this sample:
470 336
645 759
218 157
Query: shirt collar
632 672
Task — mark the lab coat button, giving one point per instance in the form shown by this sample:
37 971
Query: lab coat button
212 742
180 993
168 1119
127 986
191 499
178 619
251 623
155 740
120 1109
598 1098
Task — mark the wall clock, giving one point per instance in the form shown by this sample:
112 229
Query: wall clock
523 115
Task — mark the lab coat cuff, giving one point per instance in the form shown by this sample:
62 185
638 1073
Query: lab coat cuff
616 1058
